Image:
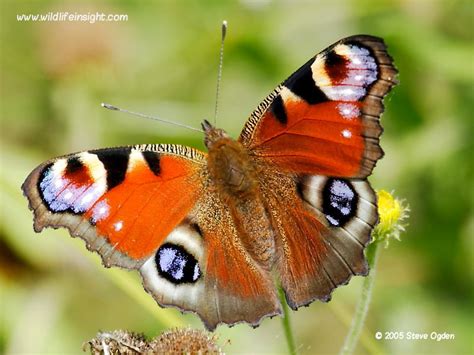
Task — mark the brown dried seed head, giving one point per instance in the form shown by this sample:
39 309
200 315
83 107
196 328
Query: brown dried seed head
176 341
185 341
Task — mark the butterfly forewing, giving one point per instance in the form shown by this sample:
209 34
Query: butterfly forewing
324 119
122 201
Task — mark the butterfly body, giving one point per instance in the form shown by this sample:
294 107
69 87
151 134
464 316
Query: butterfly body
285 205
234 177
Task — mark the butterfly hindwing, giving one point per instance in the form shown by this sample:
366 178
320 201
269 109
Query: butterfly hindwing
122 201
322 227
222 282
324 119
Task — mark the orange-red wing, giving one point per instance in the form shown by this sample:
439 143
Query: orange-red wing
122 201
324 119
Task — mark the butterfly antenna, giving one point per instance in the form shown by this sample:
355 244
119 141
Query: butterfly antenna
142 115
219 73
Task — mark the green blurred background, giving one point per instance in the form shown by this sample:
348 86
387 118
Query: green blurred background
163 61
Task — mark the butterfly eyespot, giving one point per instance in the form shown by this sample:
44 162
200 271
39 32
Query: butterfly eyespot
339 202
63 186
176 265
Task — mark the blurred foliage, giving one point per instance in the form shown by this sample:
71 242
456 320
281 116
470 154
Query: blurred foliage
163 60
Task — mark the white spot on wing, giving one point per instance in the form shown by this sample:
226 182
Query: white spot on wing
346 133
118 226
345 210
100 211
348 110
333 221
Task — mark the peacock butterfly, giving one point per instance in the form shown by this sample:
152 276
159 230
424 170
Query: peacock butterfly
287 203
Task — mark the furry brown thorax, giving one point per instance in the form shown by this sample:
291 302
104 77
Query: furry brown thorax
229 164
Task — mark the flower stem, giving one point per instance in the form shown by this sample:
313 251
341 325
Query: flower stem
364 302
290 340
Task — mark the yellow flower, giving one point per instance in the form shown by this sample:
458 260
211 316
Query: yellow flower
392 215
